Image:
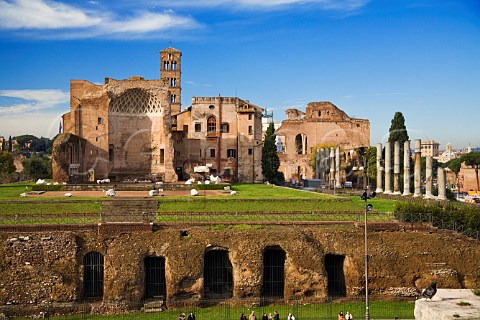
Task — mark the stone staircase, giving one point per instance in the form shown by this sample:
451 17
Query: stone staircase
131 210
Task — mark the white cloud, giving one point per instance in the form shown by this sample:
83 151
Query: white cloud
342 5
148 22
40 14
68 22
33 101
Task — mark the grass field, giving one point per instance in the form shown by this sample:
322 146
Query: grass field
250 198
378 310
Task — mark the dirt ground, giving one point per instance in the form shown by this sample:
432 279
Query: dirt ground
144 194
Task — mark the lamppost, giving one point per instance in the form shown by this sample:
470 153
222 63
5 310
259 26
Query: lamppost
368 207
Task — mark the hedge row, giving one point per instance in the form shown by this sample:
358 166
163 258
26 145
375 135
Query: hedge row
449 213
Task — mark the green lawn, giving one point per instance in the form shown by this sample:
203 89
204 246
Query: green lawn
256 200
378 310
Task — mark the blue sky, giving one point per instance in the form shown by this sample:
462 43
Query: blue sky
370 58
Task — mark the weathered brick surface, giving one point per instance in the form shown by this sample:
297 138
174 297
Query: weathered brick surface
46 266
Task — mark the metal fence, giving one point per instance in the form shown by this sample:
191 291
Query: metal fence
310 309
252 217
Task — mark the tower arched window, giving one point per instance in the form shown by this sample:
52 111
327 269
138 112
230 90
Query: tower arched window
211 125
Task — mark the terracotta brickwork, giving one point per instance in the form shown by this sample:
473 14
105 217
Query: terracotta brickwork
223 133
125 126
323 124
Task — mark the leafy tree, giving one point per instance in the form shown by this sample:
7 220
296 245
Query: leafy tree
6 163
36 168
270 159
472 159
454 165
372 166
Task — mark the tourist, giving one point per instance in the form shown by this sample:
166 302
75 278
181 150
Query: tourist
252 316
243 317
191 316
348 316
291 317
264 317
270 317
341 316
276 316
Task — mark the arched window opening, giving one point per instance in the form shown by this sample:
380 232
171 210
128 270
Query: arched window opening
93 275
218 274
273 273
301 143
155 281
211 125
335 274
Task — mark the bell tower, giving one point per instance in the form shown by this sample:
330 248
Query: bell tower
170 70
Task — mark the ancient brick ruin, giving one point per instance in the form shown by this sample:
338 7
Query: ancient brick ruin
136 129
62 265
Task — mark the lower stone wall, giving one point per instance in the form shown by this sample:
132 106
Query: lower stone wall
39 267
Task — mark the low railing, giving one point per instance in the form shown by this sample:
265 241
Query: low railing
380 307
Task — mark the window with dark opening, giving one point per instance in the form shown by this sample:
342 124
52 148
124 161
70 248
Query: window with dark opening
212 153
174 65
218 274
273 272
155 281
225 127
110 152
198 127
335 274
231 153
100 120
250 151
174 98
250 130
93 275
162 156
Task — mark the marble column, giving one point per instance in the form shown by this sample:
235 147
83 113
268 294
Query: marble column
326 167
332 167
338 183
428 177
388 168
442 184
379 169
417 174
406 168
396 167
317 164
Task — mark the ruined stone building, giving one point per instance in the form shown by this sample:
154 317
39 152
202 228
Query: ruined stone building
135 128
322 125
223 133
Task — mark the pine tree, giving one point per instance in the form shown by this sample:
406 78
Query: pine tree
270 159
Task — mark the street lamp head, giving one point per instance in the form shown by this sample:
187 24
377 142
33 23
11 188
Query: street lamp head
369 207
364 196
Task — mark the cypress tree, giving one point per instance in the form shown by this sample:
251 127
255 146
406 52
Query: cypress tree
270 159
398 130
